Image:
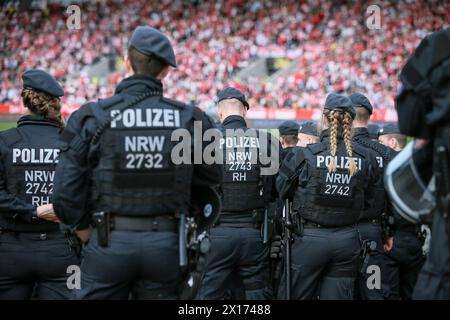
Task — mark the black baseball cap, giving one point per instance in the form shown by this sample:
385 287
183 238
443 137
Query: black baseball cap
152 42
390 128
42 81
288 128
233 93
309 128
360 100
341 103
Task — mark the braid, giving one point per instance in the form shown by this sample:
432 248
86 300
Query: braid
43 104
334 120
347 127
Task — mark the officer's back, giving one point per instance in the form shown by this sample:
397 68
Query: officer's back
34 252
373 222
117 169
328 184
237 248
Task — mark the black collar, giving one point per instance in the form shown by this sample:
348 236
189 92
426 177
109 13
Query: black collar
36 120
234 121
361 132
325 135
139 83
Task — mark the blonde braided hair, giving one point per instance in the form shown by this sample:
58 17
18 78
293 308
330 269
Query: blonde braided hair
337 119
334 118
43 104
347 126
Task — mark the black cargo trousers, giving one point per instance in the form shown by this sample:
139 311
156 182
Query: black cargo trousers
370 288
404 263
37 265
237 251
136 264
323 263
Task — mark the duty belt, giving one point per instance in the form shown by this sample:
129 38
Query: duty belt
311 224
372 221
34 235
105 222
161 224
248 219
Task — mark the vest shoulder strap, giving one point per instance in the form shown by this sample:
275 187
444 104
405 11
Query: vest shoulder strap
116 100
107 103
316 148
380 149
174 102
99 109
197 114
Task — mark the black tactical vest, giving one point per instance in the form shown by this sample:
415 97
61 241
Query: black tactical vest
332 199
383 156
243 186
29 170
134 174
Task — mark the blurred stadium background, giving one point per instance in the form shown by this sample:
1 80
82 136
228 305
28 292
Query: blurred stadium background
286 55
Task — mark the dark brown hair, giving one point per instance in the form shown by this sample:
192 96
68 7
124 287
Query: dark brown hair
290 139
143 64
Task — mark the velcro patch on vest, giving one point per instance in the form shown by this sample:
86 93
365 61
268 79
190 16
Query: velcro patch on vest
36 184
143 150
241 159
337 184
33 170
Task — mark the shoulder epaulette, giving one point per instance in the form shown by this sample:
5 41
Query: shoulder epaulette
11 136
107 103
174 102
316 148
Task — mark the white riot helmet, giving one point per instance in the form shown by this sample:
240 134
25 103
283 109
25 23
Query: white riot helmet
410 182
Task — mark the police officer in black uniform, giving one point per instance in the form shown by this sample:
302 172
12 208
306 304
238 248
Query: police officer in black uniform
288 136
329 185
423 107
237 246
34 251
116 170
307 134
406 259
373 230
390 136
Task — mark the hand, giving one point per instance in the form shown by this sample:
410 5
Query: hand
276 248
84 234
46 212
388 244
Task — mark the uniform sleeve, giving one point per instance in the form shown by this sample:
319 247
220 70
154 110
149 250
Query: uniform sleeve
374 180
72 175
10 205
293 171
272 180
209 175
389 206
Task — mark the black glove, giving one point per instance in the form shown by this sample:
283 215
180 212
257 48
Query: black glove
276 247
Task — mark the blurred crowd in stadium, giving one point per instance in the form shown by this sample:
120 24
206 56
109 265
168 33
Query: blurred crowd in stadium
215 39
